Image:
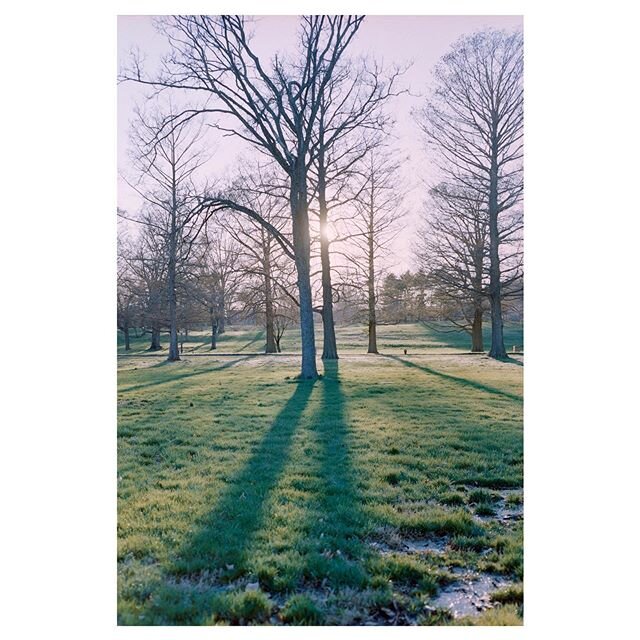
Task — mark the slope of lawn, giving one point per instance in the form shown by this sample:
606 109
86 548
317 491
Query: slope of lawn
416 338
247 497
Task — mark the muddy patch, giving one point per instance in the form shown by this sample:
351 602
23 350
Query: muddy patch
470 595
390 541
502 505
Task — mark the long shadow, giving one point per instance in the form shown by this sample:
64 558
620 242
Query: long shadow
227 531
181 376
336 529
257 337
462 381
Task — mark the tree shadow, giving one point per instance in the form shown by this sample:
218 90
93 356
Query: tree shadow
462 381
226 532
181 376
337 522
257 337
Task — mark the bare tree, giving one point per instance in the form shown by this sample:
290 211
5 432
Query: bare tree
128 302
167 166
349 122
217 276
146 260
275 109
474 120
453 251
265 265
378 210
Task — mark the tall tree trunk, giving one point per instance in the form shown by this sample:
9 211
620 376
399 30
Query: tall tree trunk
221 318
373 339
214 331
371 288
329 346
477 340
155 339
271 346
495 294
174 354
127 341
301 246
477 343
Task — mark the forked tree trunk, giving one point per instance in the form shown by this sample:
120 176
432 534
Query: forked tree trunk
477 343
301 246
497 336
329 346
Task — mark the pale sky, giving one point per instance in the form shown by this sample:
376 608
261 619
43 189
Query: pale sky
392 39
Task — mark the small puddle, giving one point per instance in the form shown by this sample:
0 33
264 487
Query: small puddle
470 595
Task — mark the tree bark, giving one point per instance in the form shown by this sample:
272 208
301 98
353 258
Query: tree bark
497 337
371 290
127 341
155 339
329 345
214 331
271 346
174 354
477 343
301 244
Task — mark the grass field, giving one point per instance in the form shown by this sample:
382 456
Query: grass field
366 497
416 338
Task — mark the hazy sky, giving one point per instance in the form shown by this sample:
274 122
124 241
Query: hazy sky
392 39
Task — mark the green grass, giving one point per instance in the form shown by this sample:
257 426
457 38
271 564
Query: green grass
231 473
393 339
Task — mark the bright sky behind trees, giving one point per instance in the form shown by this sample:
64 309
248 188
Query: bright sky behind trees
421 40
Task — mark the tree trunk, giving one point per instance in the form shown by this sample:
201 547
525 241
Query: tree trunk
214 331
221 320
371 289
477 343
127 342
497 337
301 245
329 346
271 346
174 354
155 339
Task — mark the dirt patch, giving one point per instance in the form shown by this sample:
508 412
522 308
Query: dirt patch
389 540
508 509
425 546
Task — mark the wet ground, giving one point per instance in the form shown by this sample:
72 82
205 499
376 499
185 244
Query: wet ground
470 595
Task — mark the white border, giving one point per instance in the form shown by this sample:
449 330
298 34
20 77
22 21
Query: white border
58 260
